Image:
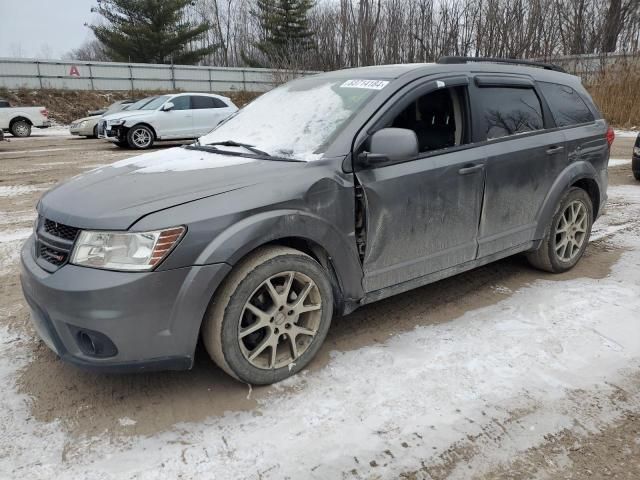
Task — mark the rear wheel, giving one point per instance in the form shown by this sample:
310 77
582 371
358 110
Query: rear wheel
270 317
567 236
140 137
20 128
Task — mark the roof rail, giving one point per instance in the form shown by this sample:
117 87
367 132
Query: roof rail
513 61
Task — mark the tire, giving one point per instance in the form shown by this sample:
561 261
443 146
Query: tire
561 250
140 137
636 175
20 128
228 315
95 131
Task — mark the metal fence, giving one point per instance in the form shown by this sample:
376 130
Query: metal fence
589 67
76 75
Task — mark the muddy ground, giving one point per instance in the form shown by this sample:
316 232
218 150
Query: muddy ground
87 404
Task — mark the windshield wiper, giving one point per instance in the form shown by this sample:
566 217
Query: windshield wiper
213 148
231 143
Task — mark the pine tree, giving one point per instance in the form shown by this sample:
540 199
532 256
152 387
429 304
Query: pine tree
285 29
149 31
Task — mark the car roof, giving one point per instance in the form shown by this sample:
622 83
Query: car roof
392 72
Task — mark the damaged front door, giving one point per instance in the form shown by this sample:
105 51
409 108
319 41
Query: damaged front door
422 215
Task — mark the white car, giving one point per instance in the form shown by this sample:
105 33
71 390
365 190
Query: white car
166 117
19 120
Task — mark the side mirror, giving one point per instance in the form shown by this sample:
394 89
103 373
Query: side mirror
390 145
167 106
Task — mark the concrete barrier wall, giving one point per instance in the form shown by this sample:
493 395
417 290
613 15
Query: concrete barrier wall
63 74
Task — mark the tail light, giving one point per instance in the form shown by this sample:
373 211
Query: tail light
610 135
45 112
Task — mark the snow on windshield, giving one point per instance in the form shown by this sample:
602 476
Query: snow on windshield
291 121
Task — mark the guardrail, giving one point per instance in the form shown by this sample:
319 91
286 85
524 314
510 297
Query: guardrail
77 75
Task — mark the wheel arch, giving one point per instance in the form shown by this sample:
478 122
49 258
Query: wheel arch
18 118
579 174
148 125
302 231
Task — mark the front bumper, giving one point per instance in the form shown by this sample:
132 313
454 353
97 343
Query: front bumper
115 133
84 132
151 319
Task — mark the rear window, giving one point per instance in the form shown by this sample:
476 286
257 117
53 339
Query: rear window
567 107
510 111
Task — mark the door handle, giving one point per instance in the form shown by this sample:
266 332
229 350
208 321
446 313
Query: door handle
471 169
552 150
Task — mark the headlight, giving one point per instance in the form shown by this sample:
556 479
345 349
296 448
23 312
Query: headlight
636 151
82 124
132 251
116 122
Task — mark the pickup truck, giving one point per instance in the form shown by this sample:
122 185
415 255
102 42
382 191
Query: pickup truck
20 120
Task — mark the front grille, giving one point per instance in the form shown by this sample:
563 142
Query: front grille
60 230
54 243
53 255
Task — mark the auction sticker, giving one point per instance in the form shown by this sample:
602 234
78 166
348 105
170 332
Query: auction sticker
368 84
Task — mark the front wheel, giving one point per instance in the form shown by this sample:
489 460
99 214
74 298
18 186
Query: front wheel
140 137
567 236
270 317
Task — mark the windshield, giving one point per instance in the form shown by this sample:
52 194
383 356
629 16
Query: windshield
155 103
140 103
297 120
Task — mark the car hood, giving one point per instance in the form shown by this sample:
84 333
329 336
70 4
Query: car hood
126 114
93 117
114 197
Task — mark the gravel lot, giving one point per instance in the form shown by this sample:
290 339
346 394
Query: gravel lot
502 372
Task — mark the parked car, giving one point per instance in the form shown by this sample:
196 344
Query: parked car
88 126
20 120
635 159
168 117
325 194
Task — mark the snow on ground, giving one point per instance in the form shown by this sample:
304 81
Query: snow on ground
626 133
54 131
15 190
396 404
614 162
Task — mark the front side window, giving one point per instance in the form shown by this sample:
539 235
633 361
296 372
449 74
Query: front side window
298 119
566 105
181 103
437 118
509 111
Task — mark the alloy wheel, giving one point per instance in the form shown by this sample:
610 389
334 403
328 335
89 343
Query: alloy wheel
571 231
141 137
280 320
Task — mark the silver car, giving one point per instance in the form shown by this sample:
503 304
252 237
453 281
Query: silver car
88 126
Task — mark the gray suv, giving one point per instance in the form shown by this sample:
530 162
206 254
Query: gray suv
323 195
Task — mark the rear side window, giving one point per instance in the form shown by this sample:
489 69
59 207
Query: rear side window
567 107
510 111
207 102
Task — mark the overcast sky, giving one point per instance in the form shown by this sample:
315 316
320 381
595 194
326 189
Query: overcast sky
32 28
